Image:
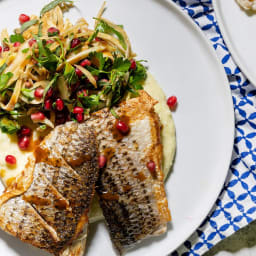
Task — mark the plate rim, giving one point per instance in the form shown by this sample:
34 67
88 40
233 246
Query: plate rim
229 44
207 210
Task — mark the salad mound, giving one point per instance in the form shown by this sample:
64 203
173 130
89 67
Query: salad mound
53 71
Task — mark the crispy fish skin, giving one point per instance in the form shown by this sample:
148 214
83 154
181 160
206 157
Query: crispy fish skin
53 212
132 198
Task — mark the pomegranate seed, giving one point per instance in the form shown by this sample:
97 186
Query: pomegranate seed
97 39
16 44
79 72
24 142
60 118
122 127
31 42
39 92
75 42
6 48
86 62
49 41
49 93
48 104
79 117
152 168
23 18
1 49
172 102
78 110
25 131
59 104
133 64
36 117
10 159
53 31
102 160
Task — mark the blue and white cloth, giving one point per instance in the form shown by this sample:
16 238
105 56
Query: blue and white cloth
236 205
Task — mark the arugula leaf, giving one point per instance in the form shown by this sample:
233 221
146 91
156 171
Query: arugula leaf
106 28
2 68
17 38
27 25
8 126
4 79
70 74
52 5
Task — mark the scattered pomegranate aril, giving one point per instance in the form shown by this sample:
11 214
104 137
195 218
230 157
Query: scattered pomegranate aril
97 39
24 18
6 48
1 49
82 93
10 159
53 31
31 42
17 44
152 168
49 41
25 131
102 160
122 127
49 93
75 42
24 142
37 117
78 110
39 92
85 63
79 72
48 104
133 64
79 117
59 104
172 102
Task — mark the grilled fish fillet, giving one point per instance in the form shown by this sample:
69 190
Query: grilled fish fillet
49 203
132 198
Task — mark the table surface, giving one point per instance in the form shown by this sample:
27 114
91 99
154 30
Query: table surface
242 243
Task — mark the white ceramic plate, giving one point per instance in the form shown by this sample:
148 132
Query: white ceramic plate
237 28
185 65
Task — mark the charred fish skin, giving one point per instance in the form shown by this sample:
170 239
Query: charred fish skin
132 198
53 211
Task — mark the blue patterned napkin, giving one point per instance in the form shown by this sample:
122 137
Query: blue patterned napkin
236 205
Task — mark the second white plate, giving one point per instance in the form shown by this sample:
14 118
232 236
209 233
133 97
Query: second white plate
185 64
238 30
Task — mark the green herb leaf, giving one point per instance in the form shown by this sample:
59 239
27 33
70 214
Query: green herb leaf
4 79
70 74
113 112
8 126
138 76
121 64
27 25
91 102
52 5
29 94
2 68
17 38
25 50
106 28
40 27
93 36
6 41
51 84
46 58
